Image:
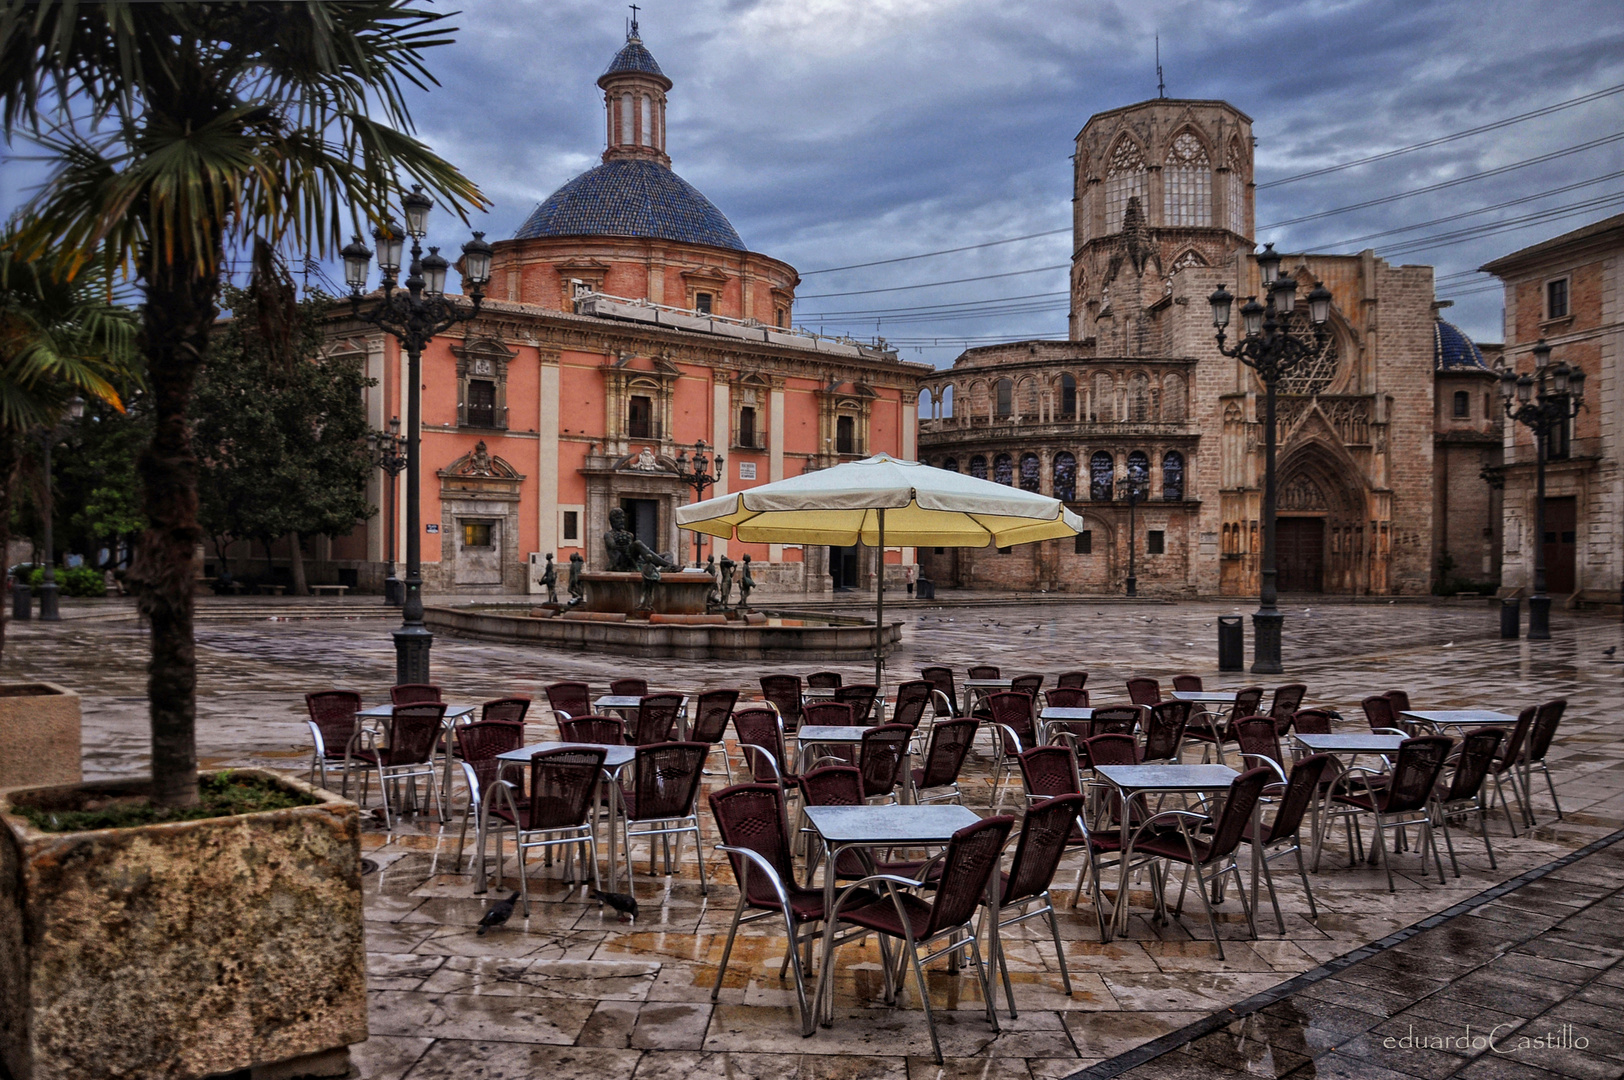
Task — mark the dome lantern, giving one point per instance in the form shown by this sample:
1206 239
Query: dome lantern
634 91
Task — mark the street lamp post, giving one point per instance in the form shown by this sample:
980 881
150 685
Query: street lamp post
1271 347
413 317
1131 484
389 448
1542 402
696 475
48 611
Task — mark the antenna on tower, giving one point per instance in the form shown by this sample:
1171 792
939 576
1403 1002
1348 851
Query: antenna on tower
1161 85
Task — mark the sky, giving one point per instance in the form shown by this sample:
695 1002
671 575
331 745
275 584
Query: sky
834 132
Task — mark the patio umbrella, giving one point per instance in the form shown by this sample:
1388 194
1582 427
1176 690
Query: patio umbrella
882 500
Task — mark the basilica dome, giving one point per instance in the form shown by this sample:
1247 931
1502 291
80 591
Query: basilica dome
632 197
1452 350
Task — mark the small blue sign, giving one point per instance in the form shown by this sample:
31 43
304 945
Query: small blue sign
433 528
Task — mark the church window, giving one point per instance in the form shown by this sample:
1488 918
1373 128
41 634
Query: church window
702 303
1187 177
481 403
781 318
1173 476
1003 470
1101 475
1139 470
1155 542
747 426
1104 405
978 467
845 435
1006 397
1029 472
626 119
646 132
572 524
1313 376
951 464
1065 476
1083 543
640 417
1556 299
1124 179
1463 403
1237 187
1068 397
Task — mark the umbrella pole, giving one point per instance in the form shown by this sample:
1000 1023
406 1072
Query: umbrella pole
879 612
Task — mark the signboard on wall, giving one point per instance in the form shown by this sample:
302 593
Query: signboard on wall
747 470
432 527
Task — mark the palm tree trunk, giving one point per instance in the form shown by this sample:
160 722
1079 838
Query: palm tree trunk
8 474
179 312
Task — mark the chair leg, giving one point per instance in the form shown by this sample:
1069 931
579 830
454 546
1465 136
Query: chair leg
986 985
1449 842
1212 921
1381 848
1302 872
727 951
794 957
1060 952
462 835
924 995
1268 879
1483 827
1551 784
995 946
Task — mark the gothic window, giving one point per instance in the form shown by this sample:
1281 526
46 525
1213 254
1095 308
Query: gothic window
1187 176
1237 187
1065 476
845 435
640 417
1029 472
1139 470
1101 475
1173 476
1068 397
1312 376
978 467
951 464
481 403
1006 397
1173 398
1003 470
1124 178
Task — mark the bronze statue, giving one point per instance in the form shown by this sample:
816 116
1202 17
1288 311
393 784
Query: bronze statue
577 565
725 587
713 596
549 579
628 553
746 584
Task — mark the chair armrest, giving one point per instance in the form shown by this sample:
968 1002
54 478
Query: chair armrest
766 755
890 881
754 859
320 743
1270 762
1171 814
1002 732
1353 771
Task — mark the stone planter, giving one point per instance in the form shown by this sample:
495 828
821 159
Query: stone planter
39 730
181 949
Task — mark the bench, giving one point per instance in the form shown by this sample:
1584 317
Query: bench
336 590
272 590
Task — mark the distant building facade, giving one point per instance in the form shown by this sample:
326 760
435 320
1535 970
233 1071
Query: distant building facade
1566 290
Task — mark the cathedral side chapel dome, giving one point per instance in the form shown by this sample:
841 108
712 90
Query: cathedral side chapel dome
1452 350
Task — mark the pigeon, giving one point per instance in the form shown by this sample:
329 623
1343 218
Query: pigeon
1609 651
498 914
621 902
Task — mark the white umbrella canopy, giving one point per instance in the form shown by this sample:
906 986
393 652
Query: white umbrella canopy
882 501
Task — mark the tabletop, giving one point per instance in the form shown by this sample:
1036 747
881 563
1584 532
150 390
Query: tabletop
1350 743
1452 717
614 756
825 733
1211 697
905 825
1056 712
452 712
987 684
1168 777
622 701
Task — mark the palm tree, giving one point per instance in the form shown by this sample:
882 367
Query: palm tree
58 338
183 132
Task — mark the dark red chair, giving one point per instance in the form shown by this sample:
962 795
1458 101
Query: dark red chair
783 692
1395 800
1462 796
333 729
1144 691
1187 684
661 800
1283 835
882 757
600 730
1047 831
983 671
1287 698
1118 720
1027 684
824 680
509 710
712 712
1540 737
629 688
1213 732
760 733
478 745
1164 731
1078 679
862 698
1507 764
1048 772
941 681
1380 716
414 732
569 699
1310 722
910 702
944 757
656 718
830 714
1066 697
558 812
1014 729
414 694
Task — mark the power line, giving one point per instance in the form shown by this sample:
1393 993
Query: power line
944 251
931 284
1520 201
931 307
1423 243
1440 140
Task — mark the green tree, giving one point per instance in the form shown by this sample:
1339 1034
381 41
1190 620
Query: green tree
182 132
98 491
281 441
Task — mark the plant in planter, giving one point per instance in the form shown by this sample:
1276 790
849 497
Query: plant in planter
183 132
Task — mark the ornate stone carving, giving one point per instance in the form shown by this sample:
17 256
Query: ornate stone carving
1301 493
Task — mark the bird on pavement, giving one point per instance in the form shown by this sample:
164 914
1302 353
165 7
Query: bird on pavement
1609 651
498 914
621 902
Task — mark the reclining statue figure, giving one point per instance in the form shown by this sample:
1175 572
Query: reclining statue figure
628 553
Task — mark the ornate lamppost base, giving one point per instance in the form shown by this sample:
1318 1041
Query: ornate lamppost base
1539 618
48 610
1266 642
412 645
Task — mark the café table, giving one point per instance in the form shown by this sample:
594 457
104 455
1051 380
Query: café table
1460 718
1204 697
1058 713
1139 780
626 706
886 825
1350 745
615 760
813 735
978 689
453 714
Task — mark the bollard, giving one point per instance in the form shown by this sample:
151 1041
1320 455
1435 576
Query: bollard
1231 643
1510 617
21 606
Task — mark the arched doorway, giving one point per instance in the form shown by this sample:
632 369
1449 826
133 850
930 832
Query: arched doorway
1321 542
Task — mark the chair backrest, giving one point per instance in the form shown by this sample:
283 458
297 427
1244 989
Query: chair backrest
950 742
1044 832
667 776
1111 749
572 698
1514 742
711 714
941 678
1066 697
1078 679
828 714
881 757
1247 700
1416 771
971 861
1144 691
1164 730
861 698
333 713
784 691
1027 684
752 816
764 729
414 730
1379 712
656 716
1287 697
602 730
629 687
1187 684
1310 722
1256 736
1302 788
1399 699
1472 764
1544 729
562 782
1116 720
484 739
823 680
831 785
508 710
910 701
1048 771
983 671
1014 711
1244 793
413 693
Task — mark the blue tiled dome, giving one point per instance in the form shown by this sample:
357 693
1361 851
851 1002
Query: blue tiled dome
631 198
1453 350
633 57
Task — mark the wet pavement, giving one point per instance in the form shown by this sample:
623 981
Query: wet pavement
572 992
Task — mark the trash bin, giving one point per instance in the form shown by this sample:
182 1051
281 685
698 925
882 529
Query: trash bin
21 602
1510 616
925 589
1231 643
